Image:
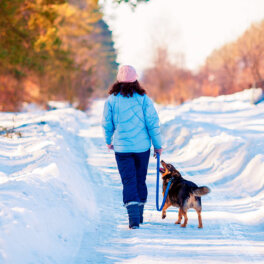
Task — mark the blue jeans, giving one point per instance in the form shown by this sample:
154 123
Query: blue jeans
133 171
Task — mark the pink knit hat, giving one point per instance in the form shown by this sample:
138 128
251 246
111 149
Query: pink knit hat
126 73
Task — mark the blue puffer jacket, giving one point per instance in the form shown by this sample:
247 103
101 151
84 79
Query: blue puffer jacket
133 121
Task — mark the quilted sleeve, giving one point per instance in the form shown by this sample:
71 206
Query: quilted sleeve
107 122
152 122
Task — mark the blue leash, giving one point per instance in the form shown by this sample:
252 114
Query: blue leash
157 187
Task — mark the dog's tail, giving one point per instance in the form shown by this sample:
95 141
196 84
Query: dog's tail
200 191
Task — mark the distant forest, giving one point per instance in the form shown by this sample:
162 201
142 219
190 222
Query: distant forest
233 67
63 50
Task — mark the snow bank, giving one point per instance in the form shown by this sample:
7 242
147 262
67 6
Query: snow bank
46 200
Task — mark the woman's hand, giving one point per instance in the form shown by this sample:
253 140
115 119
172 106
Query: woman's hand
157 151
110 147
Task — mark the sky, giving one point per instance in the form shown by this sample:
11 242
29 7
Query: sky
190 27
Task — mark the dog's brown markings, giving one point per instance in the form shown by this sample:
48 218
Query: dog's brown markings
190 203
165 173
193 203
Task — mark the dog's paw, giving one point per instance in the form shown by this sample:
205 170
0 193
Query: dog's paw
177 222
201 226
183 225
163 216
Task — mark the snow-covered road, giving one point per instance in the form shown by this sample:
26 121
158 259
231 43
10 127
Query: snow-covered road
61 195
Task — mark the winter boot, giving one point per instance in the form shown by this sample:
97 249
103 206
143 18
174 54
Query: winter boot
141 210
133 215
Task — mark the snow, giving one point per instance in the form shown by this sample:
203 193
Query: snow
61 195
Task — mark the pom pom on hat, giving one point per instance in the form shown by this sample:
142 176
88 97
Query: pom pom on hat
126 73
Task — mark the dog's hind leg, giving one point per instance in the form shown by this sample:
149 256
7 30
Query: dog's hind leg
179 217
200 223
184 213
166 206
198 208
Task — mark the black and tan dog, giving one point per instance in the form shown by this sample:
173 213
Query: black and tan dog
182 194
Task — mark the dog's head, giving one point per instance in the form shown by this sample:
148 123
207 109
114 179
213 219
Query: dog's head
168 171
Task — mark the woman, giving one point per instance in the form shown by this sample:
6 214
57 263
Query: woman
129 116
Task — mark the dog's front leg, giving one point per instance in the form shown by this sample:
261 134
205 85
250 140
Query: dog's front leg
166 206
